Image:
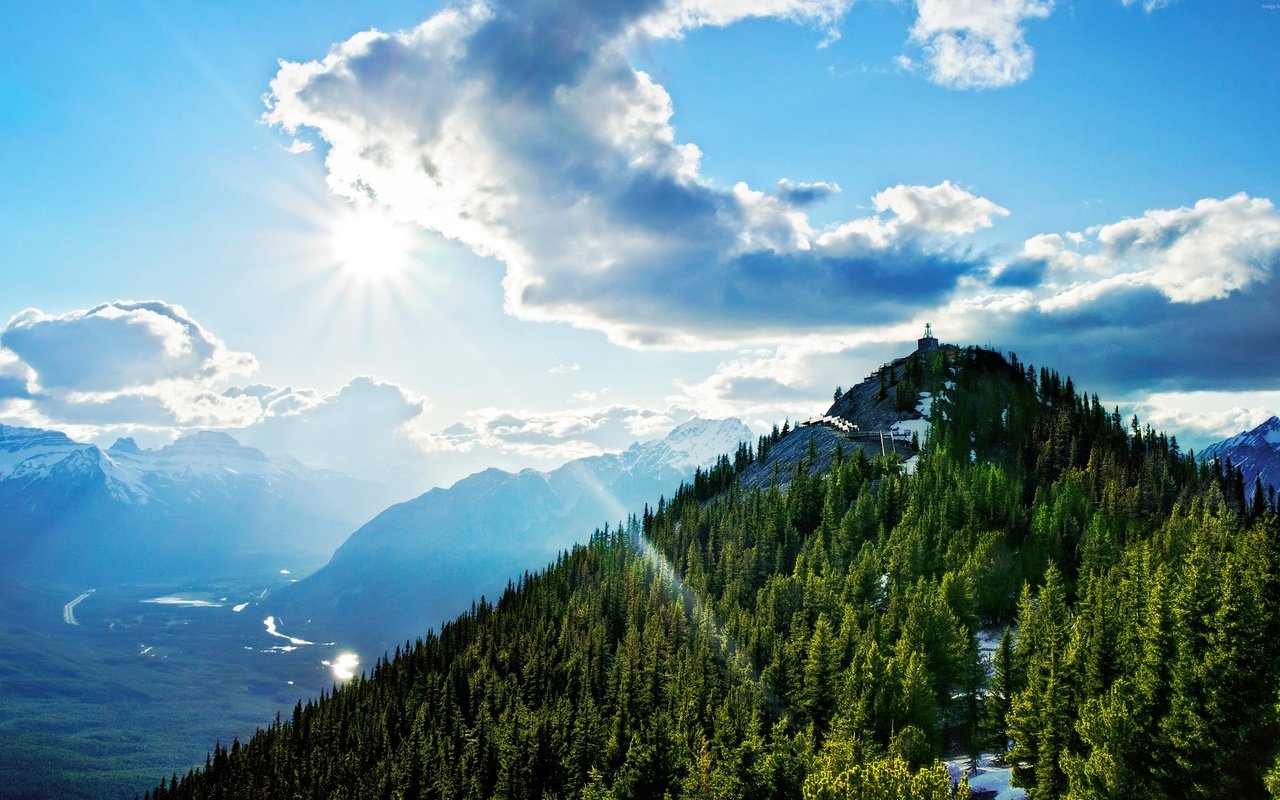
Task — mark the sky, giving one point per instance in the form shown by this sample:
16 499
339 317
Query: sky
414 240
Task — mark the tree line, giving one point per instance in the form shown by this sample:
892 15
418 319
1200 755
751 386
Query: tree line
824 641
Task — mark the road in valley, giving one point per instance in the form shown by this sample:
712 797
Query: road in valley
69 610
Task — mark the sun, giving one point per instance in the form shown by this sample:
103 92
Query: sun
368 245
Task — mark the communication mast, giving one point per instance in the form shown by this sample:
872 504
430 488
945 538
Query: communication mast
927 342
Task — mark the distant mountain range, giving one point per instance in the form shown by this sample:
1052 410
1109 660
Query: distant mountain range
73 512
1256 452
425 560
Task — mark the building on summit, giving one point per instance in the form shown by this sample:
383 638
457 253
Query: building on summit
927 343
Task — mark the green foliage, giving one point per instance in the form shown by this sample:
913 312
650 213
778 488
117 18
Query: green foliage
881 779
822 640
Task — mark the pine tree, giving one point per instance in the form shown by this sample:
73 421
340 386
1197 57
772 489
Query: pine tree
1001 689
1041 720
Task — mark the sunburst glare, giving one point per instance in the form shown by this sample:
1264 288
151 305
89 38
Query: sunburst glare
369 245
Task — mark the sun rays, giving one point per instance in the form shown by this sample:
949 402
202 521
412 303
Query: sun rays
368 246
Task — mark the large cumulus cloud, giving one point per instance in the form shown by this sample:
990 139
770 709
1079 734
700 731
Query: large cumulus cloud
1171 303
118 345
362 428
522 130
1180 298
146 363
150 369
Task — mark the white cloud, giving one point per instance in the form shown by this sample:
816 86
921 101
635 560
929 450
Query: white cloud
771 223
1207 252
1180 298
1080 295
120 345
1053 250
1200 253
127 367
977 44
1148 5
1201 418
562 369
364 428
524 132
298 146
919 213
549 438
944 208
16 378
677 17
794 380
145 363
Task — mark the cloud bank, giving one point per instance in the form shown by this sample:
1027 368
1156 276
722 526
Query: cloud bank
150 370
362 428
118 345
522 130
145 362
1174 298
128 367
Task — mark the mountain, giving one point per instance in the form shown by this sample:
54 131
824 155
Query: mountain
1048 584
877 416
73 512
425 560
1255 452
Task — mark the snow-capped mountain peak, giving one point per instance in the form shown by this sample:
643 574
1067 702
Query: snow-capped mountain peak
696 443
1269 431
30 453
1266 434
135 511
125 446
1256 452
206 454
130 473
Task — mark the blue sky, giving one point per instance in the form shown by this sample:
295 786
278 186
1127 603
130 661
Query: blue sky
501 220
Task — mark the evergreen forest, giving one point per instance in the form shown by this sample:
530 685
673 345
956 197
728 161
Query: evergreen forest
823 636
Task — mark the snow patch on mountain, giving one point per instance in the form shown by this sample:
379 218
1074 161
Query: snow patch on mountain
696 443
1256 452
31 452
921 426
130 473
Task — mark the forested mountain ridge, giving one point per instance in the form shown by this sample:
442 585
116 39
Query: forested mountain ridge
421 562
739 641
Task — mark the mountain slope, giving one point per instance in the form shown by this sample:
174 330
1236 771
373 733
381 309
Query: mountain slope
1256 452
826 641
74 513
423 561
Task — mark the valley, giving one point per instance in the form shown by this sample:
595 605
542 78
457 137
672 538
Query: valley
109 684
125 681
